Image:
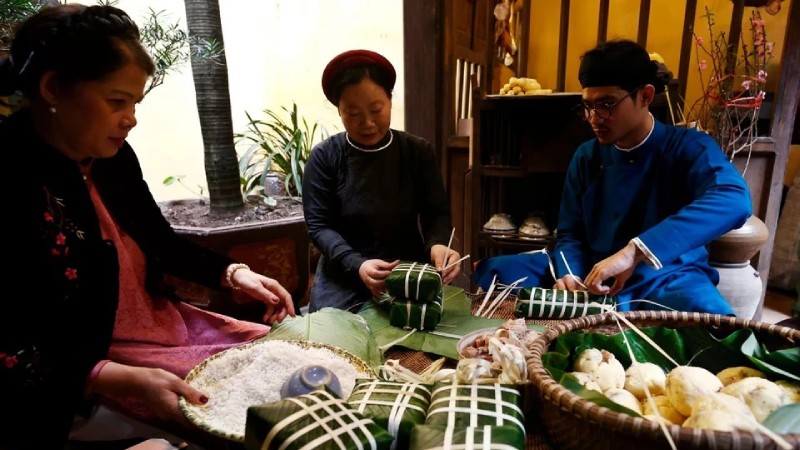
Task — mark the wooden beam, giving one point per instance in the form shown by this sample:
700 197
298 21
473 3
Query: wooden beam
423 42
563 38
644 21
734 34
522 46
491 48
686 46
602 22
787 101
473 176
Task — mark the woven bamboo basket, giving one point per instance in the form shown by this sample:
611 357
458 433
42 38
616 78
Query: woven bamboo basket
571 422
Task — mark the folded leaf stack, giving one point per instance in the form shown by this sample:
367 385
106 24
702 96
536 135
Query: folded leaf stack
398 407
318 420
416 291
472 416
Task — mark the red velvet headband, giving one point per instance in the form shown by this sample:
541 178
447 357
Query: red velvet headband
353 58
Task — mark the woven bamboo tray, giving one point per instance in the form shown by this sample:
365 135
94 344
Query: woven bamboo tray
570 422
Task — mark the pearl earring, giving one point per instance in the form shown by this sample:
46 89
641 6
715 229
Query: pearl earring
52 109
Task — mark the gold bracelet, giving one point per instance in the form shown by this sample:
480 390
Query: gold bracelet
231 270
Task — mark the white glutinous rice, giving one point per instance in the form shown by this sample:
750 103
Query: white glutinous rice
252 375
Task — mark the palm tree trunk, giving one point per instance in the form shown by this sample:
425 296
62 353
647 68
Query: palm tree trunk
214 108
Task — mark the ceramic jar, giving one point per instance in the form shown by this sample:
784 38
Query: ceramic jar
739 245
730 254
740 285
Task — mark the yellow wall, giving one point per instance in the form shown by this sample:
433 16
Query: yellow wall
664 35
792 165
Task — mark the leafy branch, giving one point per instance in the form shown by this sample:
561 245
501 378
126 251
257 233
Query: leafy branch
171 47
733 90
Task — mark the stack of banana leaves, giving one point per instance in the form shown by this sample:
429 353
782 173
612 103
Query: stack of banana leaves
369 333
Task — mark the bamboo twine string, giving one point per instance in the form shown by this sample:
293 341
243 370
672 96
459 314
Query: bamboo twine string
454 263
449 243
496 304
649 396
487 296
577 280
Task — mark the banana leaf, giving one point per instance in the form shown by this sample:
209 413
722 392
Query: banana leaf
335 327
457 320
686 345
429 436
476 405
397 407
306 421
784 420
412 314
415 281
541 303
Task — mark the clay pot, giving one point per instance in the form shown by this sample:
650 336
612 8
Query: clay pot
741 244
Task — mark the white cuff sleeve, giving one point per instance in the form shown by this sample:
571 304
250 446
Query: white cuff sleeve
649 257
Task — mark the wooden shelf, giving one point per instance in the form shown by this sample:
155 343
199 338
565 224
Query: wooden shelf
513 241
521 148
490 244
503 171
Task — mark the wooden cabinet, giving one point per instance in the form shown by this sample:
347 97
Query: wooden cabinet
521 147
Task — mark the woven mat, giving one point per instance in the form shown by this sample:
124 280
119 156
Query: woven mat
418 361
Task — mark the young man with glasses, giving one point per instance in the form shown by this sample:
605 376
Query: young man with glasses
642 199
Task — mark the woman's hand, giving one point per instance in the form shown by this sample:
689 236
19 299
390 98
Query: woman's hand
265 290
156 388
441 257
373 273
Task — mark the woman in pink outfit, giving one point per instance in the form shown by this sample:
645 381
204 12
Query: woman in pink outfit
96 322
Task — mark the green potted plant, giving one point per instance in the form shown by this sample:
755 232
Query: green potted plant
269 234
277 148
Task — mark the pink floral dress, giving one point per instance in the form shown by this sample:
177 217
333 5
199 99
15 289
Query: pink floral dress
157 331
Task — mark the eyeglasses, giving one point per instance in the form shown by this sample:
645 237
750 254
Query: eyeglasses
602 110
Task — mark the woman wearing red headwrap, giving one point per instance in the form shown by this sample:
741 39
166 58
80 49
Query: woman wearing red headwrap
371 195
